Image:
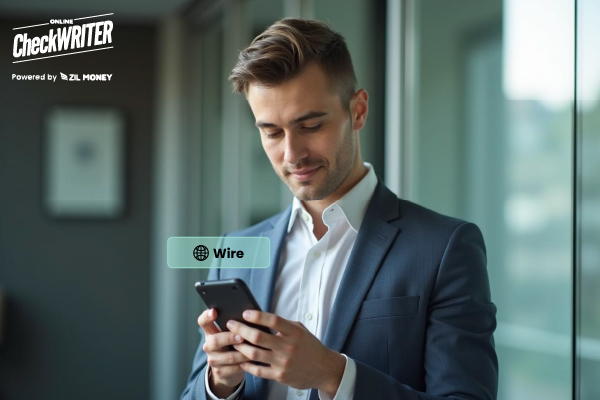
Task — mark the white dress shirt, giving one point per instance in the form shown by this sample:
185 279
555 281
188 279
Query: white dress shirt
310 272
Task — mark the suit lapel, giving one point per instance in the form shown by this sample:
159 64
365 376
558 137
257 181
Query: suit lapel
372 243
262 280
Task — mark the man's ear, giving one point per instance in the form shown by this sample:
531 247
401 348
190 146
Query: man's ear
359 107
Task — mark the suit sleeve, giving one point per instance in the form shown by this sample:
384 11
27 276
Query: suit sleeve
459 357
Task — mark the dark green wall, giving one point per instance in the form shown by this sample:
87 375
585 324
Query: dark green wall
77 323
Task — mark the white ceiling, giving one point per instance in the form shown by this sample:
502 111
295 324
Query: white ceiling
126 10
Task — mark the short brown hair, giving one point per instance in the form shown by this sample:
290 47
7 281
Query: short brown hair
283 50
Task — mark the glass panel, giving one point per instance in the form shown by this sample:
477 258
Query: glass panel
495 147
588 201
210 114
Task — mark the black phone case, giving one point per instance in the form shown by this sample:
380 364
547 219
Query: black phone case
230 297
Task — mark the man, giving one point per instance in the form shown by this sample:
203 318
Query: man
368 296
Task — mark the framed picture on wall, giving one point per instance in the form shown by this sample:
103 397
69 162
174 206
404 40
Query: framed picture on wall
84 162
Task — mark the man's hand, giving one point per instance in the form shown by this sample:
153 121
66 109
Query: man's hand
296 357
224 364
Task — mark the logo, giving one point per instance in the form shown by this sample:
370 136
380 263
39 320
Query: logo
74 35
67 37
201 253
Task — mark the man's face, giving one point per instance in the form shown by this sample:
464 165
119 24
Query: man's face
306 133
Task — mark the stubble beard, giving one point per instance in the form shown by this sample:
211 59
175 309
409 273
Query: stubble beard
344 161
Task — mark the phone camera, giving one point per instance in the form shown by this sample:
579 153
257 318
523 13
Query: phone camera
204 292
235 287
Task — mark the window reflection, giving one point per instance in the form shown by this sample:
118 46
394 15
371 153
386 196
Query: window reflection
496 92
588 201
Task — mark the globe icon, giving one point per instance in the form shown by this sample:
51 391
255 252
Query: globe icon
201 253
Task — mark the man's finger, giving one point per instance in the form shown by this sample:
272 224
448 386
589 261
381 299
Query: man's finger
255 336
269 320
258 370
206 320
254 353
220 359
217 341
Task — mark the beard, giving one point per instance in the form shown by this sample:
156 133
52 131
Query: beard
328 178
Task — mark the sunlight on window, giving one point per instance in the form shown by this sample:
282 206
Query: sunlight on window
539 51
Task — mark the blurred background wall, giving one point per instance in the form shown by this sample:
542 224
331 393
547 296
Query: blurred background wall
484 110
78 295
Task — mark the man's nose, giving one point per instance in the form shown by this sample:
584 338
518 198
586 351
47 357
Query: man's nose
295 148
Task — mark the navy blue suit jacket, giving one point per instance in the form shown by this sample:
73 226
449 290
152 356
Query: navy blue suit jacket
413 308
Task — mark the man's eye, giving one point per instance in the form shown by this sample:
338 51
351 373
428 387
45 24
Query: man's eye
272 135
311 128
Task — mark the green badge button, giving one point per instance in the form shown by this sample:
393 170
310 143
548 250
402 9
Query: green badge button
218 252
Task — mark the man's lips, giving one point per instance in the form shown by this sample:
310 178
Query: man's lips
305 174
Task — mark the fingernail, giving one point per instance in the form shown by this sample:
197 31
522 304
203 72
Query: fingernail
211 313
248 314
230 324
238 338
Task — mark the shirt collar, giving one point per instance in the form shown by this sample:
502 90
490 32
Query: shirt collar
353 204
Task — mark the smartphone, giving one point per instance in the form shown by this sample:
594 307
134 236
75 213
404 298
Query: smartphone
230 297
